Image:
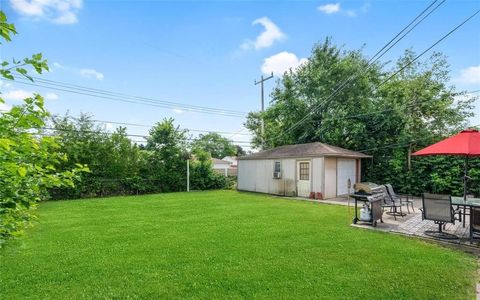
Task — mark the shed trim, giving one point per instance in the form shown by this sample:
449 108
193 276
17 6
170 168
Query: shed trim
305 150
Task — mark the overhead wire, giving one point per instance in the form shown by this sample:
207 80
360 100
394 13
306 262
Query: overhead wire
132 99
111 133
416 103
404 143
370 63
404 66
149 126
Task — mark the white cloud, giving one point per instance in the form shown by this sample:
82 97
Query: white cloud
17 95
66 18
336 8
329 8
51 96
4 84
267 38
56 11
351 13
28 8
109 126
281 62
4 107
91 73
470 75
178 111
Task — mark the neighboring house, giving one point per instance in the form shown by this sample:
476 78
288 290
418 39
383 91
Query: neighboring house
221 166
298 170
232 159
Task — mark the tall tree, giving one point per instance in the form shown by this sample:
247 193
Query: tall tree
240 151
112 157
215 144
304 94
168 146
386 114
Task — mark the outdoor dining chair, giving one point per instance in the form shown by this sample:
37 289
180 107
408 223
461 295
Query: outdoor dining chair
474 222
403 199
395 207
439 209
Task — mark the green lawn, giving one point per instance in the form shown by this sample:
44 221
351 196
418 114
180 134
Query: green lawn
221 244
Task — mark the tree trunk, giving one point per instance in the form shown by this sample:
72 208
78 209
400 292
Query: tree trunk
409 158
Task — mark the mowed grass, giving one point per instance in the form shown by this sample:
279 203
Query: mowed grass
221 244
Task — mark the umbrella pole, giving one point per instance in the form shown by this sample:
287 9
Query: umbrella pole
465 176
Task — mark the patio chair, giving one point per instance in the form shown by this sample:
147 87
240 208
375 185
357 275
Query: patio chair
439 209
474 222
404 199
395 207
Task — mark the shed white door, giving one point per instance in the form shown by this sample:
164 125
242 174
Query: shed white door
303 178
345 171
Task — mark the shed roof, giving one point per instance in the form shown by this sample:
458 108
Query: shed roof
305 150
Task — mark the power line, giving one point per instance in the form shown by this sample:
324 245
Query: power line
149 126
474 98
132 99
111 133
418 23
375 58
465 93
149 99
404 143
238 133
369 64
401 69
67 87
429 48
473 92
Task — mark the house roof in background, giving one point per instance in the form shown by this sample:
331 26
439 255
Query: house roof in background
221 161
230 157
305 150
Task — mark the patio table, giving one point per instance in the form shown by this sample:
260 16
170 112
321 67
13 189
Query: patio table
468 203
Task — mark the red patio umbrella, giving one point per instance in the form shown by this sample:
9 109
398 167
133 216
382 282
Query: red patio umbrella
466 144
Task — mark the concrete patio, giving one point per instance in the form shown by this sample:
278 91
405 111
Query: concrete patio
413 225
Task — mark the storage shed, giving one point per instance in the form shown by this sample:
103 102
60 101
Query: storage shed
298 170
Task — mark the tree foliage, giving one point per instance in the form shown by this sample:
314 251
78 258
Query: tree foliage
388 119
120 167
112 158
215 144
28 160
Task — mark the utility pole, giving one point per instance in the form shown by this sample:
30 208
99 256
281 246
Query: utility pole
261 81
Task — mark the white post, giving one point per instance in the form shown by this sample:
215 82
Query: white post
226 172
349 184
188 175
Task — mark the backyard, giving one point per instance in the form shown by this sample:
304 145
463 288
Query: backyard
221 244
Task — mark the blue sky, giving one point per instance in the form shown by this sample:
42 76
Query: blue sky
208 53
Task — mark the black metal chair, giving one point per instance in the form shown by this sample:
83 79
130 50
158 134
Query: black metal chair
404 199
474 222
439 209
395 207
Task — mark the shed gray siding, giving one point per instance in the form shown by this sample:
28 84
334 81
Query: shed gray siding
257 176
